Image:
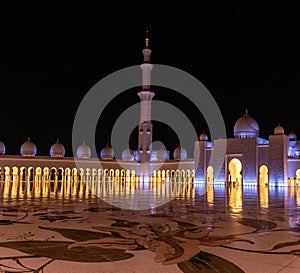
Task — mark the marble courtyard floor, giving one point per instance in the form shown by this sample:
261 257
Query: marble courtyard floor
238 229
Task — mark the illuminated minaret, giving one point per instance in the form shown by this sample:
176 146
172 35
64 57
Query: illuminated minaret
145 125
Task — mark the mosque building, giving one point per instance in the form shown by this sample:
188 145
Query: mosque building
248 159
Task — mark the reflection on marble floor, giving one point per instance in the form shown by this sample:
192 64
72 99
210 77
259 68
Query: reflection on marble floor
55 227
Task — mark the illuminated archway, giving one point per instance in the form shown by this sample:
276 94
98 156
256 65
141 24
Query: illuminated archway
46 173
38 174
112 173
60 174
67 176
106 172
210 175
75 175
234 171
30 174
263 175
53 174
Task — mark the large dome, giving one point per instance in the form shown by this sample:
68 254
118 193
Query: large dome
2 148
107 153
180 153
246 126
57 150
83 151
28 148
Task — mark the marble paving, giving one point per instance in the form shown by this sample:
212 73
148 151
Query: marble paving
222 230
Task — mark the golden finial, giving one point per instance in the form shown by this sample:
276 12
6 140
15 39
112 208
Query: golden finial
147 38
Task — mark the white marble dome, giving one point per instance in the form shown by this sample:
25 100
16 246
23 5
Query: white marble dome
180 153
128 155
57 150
107 153
28 148
83 151
278 130
203 137
246 126
2 148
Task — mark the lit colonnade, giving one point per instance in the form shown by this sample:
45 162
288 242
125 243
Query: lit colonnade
73 182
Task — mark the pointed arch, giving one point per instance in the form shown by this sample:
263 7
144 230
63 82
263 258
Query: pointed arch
53 174
210 175
235 171
263 175
60 174
30 174
46 173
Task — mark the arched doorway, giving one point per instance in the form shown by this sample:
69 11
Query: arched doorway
263 175
234 171
210 175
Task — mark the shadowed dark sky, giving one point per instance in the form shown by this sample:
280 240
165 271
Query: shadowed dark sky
246 56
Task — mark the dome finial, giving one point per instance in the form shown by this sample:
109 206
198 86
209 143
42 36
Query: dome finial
147 38
246 112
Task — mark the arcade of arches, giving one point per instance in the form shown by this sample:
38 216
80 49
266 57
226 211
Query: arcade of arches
234 174
87 174
73 182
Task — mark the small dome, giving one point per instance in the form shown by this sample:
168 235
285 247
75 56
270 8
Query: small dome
2 148
180 153
107 153
162 154
203 137
128 155
278 130
83 151
57 150
292 136
246 126
28 148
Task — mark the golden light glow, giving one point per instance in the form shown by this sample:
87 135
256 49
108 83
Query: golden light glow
263 196
74 183
235 168
263 175
235 198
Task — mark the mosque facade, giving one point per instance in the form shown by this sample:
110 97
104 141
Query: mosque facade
247 159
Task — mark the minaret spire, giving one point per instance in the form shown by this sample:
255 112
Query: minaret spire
147 51
147 38
145 126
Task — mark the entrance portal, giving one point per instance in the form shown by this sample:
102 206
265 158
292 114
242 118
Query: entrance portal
234 171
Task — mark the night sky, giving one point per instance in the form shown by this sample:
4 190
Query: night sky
246 56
